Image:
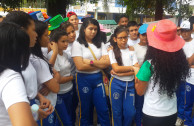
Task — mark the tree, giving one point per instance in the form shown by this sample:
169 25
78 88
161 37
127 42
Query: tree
54 7
153 7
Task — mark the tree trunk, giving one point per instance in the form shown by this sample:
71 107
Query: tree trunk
55 7
159 10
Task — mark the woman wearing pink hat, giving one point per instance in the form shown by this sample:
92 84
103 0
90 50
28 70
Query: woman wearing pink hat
164 67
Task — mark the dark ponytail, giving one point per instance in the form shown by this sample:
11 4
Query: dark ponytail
116 49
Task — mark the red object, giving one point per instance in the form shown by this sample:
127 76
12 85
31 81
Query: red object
30 12
162 35
69 14
91 62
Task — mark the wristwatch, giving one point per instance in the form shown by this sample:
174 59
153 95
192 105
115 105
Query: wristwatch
91 62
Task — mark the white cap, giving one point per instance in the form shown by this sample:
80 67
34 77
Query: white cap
185 25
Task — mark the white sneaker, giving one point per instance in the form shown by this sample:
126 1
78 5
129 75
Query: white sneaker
179 122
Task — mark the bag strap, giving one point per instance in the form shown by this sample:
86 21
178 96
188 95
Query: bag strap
95 58
92 53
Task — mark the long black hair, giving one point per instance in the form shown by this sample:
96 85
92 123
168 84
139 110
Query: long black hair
116 49
40 28
14 47
20 18
169 69
96 40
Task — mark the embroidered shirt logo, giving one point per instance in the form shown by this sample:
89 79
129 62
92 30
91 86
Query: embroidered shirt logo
85 89
188 88
116 95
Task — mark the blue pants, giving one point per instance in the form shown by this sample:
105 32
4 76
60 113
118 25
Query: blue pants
75 101
122 95
189 105
90 91
181 100
139 100
49 121
64 109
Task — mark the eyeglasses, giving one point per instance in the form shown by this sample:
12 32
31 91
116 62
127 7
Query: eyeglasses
121 38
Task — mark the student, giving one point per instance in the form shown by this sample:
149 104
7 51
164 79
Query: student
164 68
140 51
123 20
133 33
121 86
89 81
26 22
187 95
64 106
75 21
14 104
70 30
47 83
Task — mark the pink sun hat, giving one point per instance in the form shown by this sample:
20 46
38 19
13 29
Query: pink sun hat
162 35
103 29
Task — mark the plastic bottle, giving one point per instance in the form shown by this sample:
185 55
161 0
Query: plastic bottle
34 109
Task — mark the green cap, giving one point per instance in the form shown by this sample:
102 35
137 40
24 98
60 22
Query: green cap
56 21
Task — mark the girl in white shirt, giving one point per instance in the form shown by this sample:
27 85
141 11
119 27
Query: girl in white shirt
64 108
160 75
73 19
89 81
140 51
29 74
121 86
72 35
46 81
14 104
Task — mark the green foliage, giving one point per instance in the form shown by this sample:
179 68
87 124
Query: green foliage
148 7
6 4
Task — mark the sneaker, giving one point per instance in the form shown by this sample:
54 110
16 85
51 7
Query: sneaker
179 122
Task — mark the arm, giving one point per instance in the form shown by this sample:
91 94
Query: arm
103 63
121 69
44 103
53 85
81 66
122 74
20 114
141 87
54 47
65 79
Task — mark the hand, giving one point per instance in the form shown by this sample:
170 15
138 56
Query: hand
113 72
86 61
43 114
110 48
44 91
44 102
53 47
136 69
